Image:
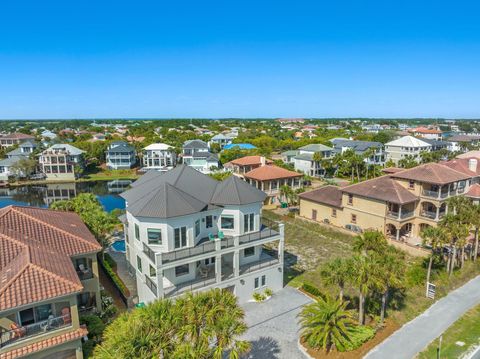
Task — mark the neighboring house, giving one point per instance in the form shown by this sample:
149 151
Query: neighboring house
14 139
222 140
400 204
438 144
427 133
461 142
242 165
24 150
186 231
406 146
304 162
241 146
159 156
58 162
374 149
49 271
48 135
120 155
288 156
270 179
196 154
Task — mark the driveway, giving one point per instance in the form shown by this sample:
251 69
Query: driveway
414 336
273 325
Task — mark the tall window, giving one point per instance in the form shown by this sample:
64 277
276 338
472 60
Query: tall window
209 221
350 199
180 237
154 236
153 271
264 280
197 228
248 222
227 222
354 218
137 232
139 264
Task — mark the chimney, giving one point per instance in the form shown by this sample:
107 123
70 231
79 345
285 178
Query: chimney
472 164
262 161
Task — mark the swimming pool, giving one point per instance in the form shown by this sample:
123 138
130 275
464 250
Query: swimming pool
119 246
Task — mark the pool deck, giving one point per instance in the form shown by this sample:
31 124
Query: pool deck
122 271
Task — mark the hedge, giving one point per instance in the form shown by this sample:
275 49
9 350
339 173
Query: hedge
312 290
115 278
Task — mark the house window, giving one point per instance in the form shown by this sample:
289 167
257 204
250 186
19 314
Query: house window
227 222
350 199
137 232
264 280
153 271
334 212
257 284
197 228
208 222
248 222
250 251
354 218
411 184
314 214
180 237
182 270
139 264
154 236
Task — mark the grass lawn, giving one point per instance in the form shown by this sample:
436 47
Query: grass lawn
105 175
466 330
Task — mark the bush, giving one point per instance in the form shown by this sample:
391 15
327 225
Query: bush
115 278
268 292
258 297
415 275
359 335
87 348
312 290
111 262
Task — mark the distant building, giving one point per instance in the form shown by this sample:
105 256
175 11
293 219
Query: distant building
196 154
461 142
222 140
50 274
242 165
24 150
120 155
407 146
291 120
428 133
58 162
14 139
159 156
304 162
241 146
48 135
375 149
288 156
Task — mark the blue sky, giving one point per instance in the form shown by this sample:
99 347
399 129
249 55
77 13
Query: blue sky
102 59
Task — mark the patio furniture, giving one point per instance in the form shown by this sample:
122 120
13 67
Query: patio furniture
211 237
221 235
67 318
203 271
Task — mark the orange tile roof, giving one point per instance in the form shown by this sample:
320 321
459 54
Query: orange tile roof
474 191
35 261
426 130
270 172
17 136
462 165
432 173
44 344
248 161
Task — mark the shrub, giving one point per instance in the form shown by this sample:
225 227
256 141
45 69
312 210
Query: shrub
415 275
268 292
111 262
311 290
115 278
359 335
258 297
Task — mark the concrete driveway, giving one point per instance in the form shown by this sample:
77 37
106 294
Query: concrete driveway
273 325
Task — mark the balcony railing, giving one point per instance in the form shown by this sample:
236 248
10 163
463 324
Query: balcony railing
151 284
203 248
260 264
428 214
190 286
431 194
149 252
85 274
27 331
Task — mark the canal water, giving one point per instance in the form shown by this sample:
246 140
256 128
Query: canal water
43 195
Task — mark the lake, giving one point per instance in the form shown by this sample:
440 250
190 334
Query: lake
43 195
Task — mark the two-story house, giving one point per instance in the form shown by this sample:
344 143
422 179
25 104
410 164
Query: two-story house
159 156
242 165
48 266
59 161
120 155
400 204
14 139
305 161
406 147
186 231
23 151
196 154
374 150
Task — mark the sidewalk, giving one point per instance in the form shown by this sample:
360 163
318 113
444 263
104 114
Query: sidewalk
414 336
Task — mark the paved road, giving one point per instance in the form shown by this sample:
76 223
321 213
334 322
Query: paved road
414 336
273 326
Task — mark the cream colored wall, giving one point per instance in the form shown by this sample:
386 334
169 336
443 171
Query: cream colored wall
323 212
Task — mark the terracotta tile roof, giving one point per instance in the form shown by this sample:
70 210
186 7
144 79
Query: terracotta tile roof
392 170
462 165
35 261
17 136
426 130
248 161
383 188
474 191
270 172
432 173
470 154
44 344
329 195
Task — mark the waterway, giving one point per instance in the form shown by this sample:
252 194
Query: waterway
43 195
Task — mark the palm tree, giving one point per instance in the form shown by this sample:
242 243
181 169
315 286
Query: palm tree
364 277
326 324
370 241
286 193
436 238
336 272
457 231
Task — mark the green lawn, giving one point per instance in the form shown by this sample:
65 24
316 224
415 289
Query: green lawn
105 175
466 329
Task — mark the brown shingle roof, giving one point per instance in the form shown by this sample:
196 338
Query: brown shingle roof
383 188
44 344
17 136
474 191
432 173
270 172
329 195
462 165
35 261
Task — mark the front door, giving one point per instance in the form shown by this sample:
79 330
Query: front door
314 214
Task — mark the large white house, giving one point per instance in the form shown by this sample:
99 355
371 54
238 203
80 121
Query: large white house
304 162
196 154
159 156
406 146
186 231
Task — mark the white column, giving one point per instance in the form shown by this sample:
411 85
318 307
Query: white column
281 244
158 264
437 213
398 234
400 212
236 263
218 268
